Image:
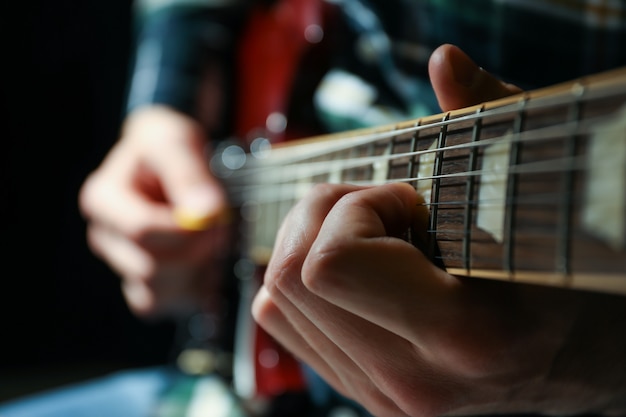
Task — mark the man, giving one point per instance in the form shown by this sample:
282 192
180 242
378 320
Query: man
156 212
161 146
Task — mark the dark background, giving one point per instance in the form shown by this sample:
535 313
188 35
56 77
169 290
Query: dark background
64 67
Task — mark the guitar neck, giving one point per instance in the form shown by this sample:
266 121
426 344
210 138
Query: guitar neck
530 188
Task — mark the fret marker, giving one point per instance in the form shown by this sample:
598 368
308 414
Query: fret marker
381 168
425 172
335 169
492 191
604 213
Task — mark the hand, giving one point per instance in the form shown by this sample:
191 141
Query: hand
154 213
390 330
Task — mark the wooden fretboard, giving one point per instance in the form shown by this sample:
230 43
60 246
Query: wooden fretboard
531 188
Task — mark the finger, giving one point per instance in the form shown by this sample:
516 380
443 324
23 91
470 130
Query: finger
460 82
300 227
267 314
132 260
341 332
294 238
111 198
117 196
166 279
284 321
132 263
370 362
356 265
176 154
161 297
125 258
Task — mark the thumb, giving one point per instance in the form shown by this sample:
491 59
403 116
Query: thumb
458 82
177 156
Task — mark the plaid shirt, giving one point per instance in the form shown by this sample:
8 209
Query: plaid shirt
531 43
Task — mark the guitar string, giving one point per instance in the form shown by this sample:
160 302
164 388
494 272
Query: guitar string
543 236
278 192
292 154
320 167
274 190
279 189
526 202
535 233
290 173
282 193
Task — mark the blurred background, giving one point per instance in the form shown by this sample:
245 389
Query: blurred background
63 74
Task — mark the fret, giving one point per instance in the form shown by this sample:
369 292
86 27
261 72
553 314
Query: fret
435 197
281 207
412 148
410 173
393 141
472 163
511 189
564 227
351 173
382 168
544 220
370 151
364 172
393 144
335 171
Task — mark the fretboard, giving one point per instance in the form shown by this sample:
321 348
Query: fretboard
531 188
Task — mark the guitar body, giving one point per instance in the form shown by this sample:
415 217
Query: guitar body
282 56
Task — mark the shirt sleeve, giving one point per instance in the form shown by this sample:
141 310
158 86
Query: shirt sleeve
174 41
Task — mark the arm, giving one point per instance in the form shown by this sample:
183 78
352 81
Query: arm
182 47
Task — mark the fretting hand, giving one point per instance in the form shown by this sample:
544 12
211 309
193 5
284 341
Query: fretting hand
390 330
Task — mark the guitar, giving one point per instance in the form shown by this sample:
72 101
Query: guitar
528 189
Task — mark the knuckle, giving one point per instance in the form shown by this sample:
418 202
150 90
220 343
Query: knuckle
146 272
93 241
138 231
326 192
321 270
142 302
264 311
323 190
87 196
282 271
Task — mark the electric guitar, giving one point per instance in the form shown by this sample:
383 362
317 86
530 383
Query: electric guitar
528 189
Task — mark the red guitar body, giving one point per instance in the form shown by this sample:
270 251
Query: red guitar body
278 38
